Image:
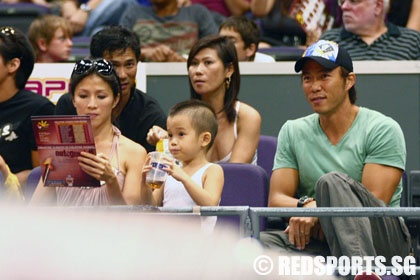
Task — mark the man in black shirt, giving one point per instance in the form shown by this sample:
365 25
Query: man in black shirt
138 112
18 153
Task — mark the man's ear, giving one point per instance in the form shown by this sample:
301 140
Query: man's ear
350 80
251 50
205 138
13 65
379 8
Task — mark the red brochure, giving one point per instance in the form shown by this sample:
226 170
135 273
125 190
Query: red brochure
60 139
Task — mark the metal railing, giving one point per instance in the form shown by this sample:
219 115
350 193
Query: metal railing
257 212
249 217
242 212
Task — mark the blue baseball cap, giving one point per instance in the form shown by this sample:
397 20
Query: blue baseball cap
327 53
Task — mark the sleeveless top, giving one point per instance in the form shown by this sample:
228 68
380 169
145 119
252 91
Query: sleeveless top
235 133
175 195
74 196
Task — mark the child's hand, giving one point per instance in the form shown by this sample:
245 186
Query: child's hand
173 169
146 168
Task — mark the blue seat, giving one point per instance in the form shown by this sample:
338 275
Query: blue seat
81 42
77 54
32 182
283 53
245 185
390 277
267 147
80 49
20 15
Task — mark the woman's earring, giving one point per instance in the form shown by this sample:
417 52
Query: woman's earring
227 81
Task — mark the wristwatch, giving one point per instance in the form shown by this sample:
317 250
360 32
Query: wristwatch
304 200
85 7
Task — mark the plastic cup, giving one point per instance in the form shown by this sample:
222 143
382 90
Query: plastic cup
156 177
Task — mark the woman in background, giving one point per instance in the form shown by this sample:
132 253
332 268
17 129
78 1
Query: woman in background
214 77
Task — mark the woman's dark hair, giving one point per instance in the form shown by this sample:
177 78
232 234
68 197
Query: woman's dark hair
100 67
226 51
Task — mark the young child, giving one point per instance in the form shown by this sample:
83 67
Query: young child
192 128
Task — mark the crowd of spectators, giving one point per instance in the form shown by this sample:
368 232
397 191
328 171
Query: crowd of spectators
168 28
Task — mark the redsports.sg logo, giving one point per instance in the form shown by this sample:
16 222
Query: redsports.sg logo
343 266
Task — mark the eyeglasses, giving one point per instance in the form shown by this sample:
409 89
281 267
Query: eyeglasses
350 2
101 65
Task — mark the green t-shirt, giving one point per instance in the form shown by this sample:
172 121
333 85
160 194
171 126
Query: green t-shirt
372 138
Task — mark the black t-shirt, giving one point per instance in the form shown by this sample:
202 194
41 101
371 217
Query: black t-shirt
139 114
16 135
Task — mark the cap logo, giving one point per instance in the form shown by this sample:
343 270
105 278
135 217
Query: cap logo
324 49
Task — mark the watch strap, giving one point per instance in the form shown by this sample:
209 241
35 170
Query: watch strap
304 200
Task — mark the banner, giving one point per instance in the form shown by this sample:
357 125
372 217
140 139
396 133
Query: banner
52 79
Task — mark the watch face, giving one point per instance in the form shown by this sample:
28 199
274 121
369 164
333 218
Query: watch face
303 199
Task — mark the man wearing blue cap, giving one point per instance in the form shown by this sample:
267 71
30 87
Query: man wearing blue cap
343 155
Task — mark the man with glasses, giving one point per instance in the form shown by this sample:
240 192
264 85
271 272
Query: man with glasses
367 36
138 112
18 155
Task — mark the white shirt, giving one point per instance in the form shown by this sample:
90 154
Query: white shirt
262 57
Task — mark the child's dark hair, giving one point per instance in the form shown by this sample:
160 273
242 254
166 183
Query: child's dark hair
203 118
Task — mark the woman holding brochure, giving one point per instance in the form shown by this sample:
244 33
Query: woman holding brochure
118 163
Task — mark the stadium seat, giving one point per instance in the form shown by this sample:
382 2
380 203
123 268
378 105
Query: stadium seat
80 48
32 182
266 151
81 41
283 53
20 15
245 185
